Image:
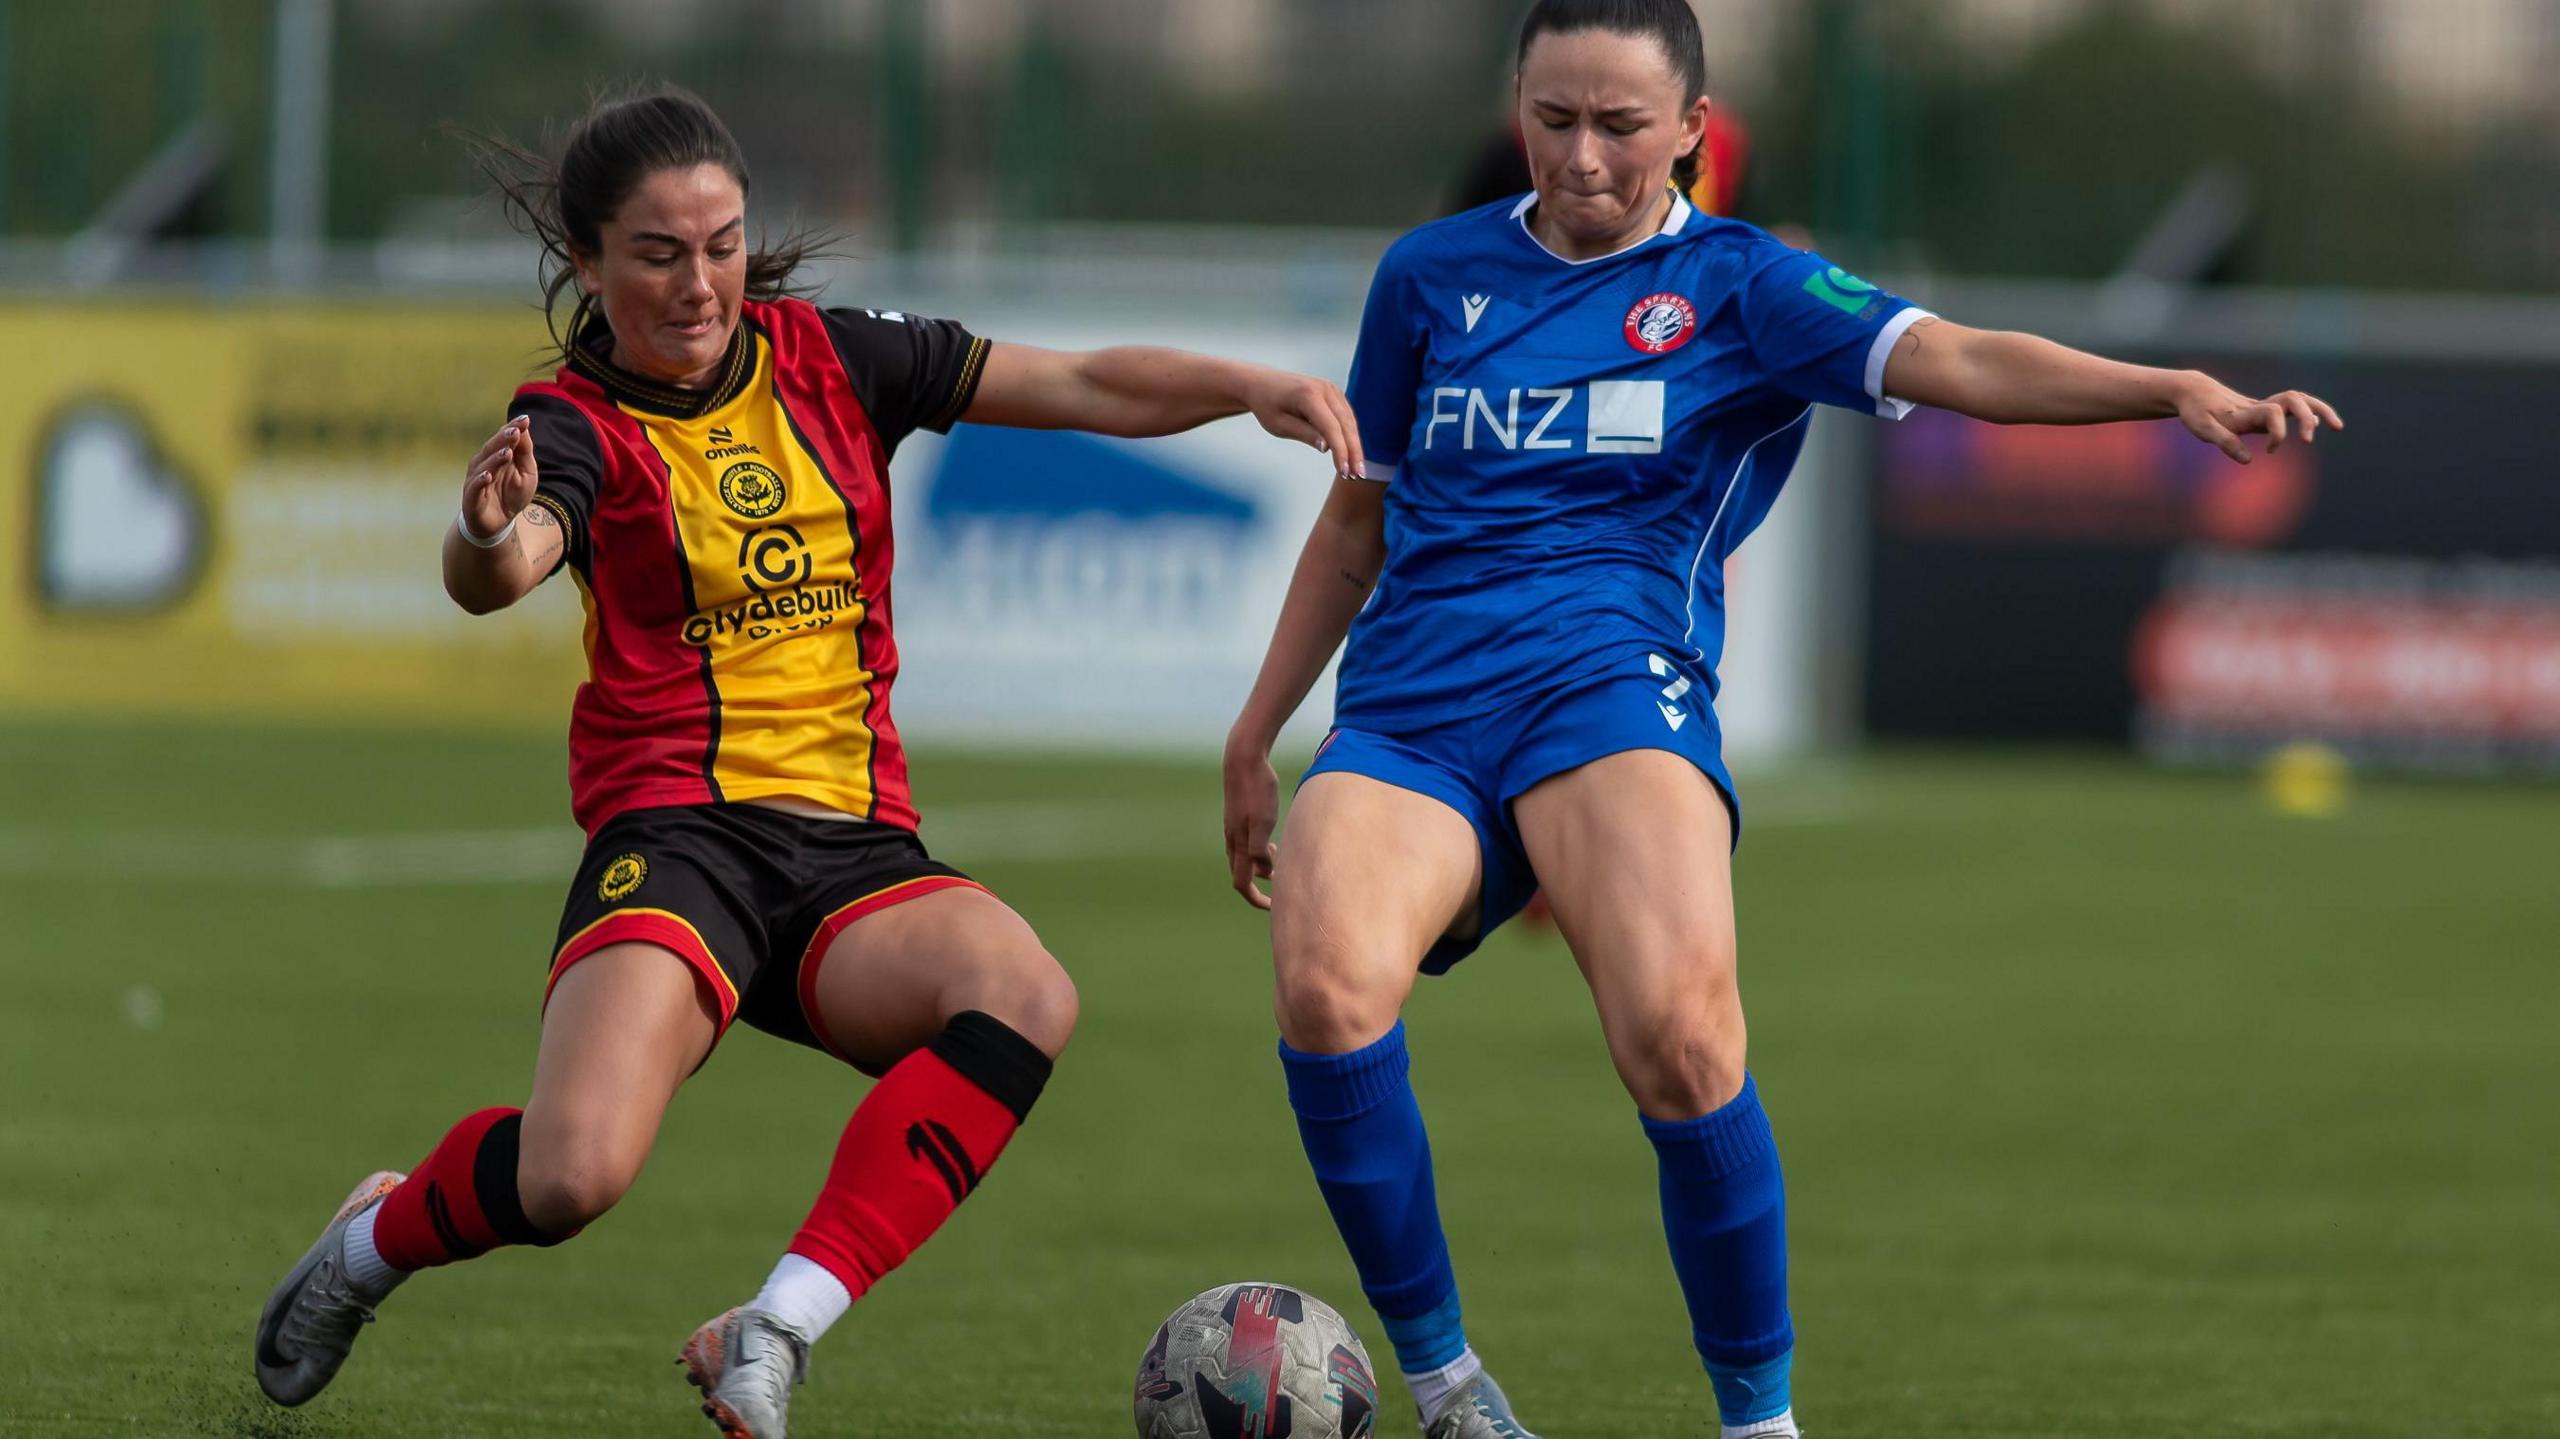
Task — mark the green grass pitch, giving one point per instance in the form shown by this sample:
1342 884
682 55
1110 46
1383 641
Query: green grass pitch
2113 1104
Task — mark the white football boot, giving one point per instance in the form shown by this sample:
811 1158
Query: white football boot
745 1363
1476 1411
312 1319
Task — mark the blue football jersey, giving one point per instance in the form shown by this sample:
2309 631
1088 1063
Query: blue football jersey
1576 446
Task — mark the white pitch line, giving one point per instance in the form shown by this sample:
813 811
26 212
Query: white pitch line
326 861
964 834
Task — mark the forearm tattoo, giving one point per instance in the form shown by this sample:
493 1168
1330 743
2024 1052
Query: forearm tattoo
533 515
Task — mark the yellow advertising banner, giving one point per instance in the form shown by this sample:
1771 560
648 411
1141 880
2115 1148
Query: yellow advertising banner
239 509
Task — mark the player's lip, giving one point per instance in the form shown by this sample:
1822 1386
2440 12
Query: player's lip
695 328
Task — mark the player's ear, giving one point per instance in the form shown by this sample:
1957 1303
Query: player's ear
1693 127
590 280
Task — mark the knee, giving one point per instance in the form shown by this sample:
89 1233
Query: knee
568 1185
1029 992
1328 1002
1684 1065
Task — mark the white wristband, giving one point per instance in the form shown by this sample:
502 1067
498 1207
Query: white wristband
491 543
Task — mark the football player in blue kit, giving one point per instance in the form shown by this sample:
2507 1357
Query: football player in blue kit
1575 405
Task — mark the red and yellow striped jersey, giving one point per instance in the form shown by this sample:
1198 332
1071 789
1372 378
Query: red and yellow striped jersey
733 550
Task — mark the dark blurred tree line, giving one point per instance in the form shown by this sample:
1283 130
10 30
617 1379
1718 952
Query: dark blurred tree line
1877 125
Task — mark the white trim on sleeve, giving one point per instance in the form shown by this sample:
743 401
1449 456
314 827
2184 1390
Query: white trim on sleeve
1887 407
1380 475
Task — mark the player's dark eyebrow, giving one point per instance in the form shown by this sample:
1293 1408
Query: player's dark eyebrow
1614 112
660 237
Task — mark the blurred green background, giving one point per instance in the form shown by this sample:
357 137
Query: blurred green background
2400 144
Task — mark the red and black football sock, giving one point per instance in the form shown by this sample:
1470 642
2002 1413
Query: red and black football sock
461 1200
918 1145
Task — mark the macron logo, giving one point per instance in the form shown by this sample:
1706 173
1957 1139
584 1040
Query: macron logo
1672 714
1475 309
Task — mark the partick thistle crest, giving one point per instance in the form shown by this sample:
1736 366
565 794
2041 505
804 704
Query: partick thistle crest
621 877
751 490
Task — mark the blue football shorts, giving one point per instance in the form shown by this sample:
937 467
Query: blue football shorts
1477 764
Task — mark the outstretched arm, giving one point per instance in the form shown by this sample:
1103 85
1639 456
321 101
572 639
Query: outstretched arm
1336 571
2015 379
1136 390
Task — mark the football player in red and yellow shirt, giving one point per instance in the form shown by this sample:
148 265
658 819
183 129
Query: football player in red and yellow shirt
711 465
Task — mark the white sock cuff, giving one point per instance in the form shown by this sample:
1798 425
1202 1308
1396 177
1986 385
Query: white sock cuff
366 1268
805 1295
1431 1389
1782 1426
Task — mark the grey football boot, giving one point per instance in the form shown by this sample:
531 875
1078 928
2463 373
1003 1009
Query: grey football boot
745 1363
312 1319
1476 1411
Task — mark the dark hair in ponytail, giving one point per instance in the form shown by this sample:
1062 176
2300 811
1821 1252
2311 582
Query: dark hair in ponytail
1668 23
621 142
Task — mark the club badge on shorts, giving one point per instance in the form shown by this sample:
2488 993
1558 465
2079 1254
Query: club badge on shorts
621 877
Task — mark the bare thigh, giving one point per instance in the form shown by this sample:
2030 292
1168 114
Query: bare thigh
1369 876
623 1028
1635 853
894 978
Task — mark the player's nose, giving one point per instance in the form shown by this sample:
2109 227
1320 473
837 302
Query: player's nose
1583 158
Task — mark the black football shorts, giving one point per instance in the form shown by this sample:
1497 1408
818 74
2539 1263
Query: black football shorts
749 896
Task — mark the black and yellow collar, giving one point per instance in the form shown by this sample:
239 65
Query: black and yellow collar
589 349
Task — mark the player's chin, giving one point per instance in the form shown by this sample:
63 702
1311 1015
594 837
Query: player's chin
1594 217
683 351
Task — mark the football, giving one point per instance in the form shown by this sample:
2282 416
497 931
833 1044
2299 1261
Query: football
1256 1361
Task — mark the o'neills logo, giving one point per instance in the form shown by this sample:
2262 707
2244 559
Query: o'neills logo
812 607
727 446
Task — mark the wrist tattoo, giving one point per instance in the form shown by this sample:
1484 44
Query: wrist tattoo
538 515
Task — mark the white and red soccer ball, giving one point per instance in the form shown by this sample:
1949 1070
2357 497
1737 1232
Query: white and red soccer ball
1256 1361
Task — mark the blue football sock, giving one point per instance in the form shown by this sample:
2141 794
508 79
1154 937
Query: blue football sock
1364 1137
1724 1209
